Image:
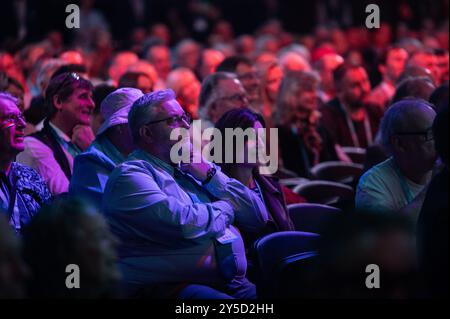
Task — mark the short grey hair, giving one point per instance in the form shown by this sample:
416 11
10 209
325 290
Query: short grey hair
209 92
145 109
394 119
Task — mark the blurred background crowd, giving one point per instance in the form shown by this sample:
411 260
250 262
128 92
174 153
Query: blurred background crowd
362 118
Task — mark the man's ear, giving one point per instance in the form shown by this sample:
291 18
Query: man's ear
145 133
397 143
57 102
212 111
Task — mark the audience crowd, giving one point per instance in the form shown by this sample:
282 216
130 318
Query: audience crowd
87 176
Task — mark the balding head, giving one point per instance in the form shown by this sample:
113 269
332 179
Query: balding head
210 60
292 61
120 64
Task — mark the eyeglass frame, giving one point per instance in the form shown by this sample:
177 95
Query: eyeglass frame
15 118
428 133
186 117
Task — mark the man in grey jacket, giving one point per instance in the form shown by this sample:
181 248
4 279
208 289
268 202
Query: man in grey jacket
176 223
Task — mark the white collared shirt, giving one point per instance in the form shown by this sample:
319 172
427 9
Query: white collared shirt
40 157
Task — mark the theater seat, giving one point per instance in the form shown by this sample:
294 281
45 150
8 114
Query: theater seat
273 249
295 276
334 171
312 217
325 192
356 154
294 181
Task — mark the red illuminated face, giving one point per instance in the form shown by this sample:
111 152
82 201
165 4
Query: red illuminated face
145 84
427 61
355 87
160 58
249 79
273 81
443 66
395 63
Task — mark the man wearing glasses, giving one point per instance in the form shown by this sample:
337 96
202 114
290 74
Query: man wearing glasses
22 191
220 93
176 221
399 184
246 73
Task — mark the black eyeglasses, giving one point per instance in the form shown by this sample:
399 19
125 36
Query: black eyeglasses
235 98
11 120
178 119
428 134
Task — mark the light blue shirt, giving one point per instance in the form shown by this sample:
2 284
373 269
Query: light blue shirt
91 170
385 189
168 223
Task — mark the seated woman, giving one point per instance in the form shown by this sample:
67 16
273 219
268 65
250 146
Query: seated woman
303 142
248 173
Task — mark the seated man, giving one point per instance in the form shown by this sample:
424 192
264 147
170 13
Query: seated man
246 73
400 182
391 65
66 131
176 221
111 147
350 120
22 191
220 92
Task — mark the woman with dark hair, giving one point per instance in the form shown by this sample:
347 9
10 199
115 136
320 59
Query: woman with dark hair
303 143
248 173
66 131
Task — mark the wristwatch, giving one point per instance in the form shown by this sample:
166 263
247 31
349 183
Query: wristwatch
209 175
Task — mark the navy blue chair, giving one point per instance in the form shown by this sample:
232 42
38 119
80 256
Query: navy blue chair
273 249
296 276
311 217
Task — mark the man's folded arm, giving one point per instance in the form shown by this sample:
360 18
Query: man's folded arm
143 206
250 212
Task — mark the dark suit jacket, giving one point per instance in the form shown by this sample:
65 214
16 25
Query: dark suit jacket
432 237
334 120
295 155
